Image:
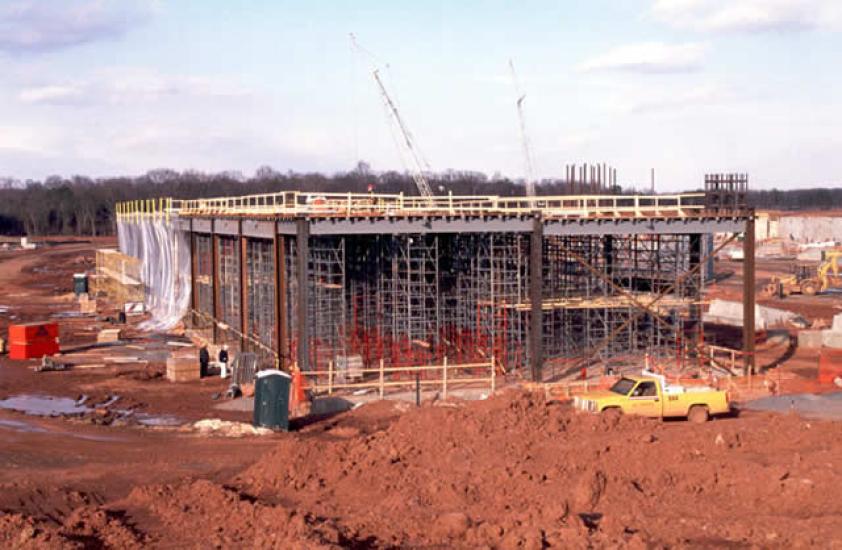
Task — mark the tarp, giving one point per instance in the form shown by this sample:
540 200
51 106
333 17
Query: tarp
164 252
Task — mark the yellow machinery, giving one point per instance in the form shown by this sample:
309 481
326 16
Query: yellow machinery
806 281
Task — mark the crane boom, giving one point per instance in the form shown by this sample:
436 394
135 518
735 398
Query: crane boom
524 139
418 167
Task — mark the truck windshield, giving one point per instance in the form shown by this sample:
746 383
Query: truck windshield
623 386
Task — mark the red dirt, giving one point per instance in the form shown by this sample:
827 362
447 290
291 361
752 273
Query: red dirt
513 471
510 472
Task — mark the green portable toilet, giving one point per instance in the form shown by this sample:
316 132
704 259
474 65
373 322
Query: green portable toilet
271 399
80 283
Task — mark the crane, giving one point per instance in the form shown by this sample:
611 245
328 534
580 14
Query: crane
419 165
524 139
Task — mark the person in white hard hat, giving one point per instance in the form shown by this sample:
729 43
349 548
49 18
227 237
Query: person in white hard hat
223 361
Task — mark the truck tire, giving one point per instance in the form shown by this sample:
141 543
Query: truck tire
698 414
809 288
612 412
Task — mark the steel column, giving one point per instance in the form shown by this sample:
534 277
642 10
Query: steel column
748 297
282 346
217 314
536 297
193 260
302 255
244 288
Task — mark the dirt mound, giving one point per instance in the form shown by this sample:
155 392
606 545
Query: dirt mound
516 471
86 527
205 514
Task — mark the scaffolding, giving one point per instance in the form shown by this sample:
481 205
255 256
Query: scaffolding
390 282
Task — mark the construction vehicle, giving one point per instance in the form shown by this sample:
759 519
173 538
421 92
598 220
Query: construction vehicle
650 395
807 278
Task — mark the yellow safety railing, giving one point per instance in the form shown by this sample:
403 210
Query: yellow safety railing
296 203
445 376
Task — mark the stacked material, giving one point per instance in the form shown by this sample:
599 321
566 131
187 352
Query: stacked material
109 336
117 276
724 312
182 368
87 304
33 340
828 338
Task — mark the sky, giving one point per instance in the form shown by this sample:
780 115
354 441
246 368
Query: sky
687 87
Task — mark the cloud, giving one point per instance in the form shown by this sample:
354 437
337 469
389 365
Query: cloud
128 86
695 97
749 15
649 57
32 26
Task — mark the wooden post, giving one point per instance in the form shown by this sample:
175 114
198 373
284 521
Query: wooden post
493 375
381 378
330 377
444 379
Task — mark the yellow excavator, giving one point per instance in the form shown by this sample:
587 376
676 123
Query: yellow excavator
807 279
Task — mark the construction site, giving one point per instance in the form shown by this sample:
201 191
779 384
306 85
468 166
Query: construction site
318 358
446 356
342 286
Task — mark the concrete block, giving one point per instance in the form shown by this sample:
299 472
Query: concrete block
832 339
811 339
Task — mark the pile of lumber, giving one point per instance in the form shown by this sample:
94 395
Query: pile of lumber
109 335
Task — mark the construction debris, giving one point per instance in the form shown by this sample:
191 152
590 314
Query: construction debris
226 428
724 312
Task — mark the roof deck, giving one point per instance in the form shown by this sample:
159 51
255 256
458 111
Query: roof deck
370 213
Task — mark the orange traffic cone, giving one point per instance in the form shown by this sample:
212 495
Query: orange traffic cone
297 395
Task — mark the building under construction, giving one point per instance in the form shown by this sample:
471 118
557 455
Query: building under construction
540 286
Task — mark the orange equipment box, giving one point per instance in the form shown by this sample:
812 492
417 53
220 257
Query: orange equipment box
33 340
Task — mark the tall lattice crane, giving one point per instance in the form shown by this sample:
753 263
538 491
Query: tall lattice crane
524 139
418 164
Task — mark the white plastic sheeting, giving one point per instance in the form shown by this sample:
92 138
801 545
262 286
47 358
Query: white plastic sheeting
164 253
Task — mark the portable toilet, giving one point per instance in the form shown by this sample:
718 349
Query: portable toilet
271 399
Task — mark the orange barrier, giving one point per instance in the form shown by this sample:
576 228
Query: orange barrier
33 340
830 365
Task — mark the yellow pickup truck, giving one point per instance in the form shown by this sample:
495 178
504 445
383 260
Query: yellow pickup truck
650 395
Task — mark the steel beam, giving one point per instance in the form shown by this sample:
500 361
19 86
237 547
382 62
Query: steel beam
750 364
642 226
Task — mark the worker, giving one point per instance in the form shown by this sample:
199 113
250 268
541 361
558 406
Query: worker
223 361
204 361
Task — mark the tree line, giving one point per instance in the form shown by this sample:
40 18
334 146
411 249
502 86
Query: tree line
85 206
